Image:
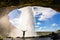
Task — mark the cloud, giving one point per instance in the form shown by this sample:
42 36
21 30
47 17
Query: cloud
41 28
54 25
36 26
46 12
38 23
44 29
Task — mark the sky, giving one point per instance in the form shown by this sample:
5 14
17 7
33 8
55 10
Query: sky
46 19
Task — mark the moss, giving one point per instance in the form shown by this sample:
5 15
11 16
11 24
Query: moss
1 37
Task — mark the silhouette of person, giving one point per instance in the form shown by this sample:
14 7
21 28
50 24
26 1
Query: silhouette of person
54 35
24 34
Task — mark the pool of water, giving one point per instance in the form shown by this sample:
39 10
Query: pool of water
34 39
43 38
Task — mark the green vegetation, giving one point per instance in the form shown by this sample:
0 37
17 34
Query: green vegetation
1 37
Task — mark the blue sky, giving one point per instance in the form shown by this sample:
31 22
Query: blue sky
46 19
50 24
